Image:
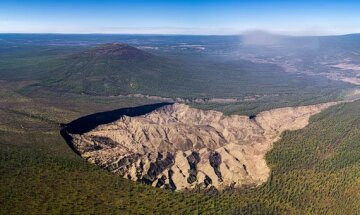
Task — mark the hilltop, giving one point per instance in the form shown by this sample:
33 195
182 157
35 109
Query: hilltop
119 51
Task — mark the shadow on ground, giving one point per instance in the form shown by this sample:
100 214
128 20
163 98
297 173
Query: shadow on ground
87 123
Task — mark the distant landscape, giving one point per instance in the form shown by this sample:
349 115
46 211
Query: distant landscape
190 68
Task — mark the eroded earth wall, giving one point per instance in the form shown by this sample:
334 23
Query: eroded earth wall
178 147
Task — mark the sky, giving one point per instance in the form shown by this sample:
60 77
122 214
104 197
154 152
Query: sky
211 17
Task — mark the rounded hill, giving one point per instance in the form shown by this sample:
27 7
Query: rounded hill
116 50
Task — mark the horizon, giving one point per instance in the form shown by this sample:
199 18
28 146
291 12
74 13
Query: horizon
179 34
160 17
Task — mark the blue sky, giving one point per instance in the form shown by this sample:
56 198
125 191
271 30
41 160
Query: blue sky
292 17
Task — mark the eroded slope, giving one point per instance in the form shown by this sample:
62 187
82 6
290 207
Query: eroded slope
178 147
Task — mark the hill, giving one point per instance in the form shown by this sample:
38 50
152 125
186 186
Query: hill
116 51
109 69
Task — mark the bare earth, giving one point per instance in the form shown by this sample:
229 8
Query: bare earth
178 147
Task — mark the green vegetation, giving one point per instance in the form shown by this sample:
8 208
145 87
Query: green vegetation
45 83
314 170
251 107
191 76
259 86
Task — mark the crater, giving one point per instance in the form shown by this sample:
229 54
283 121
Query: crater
176 147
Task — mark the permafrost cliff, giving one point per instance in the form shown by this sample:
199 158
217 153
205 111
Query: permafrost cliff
177 147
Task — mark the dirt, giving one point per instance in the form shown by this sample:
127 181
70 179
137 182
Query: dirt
178 147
